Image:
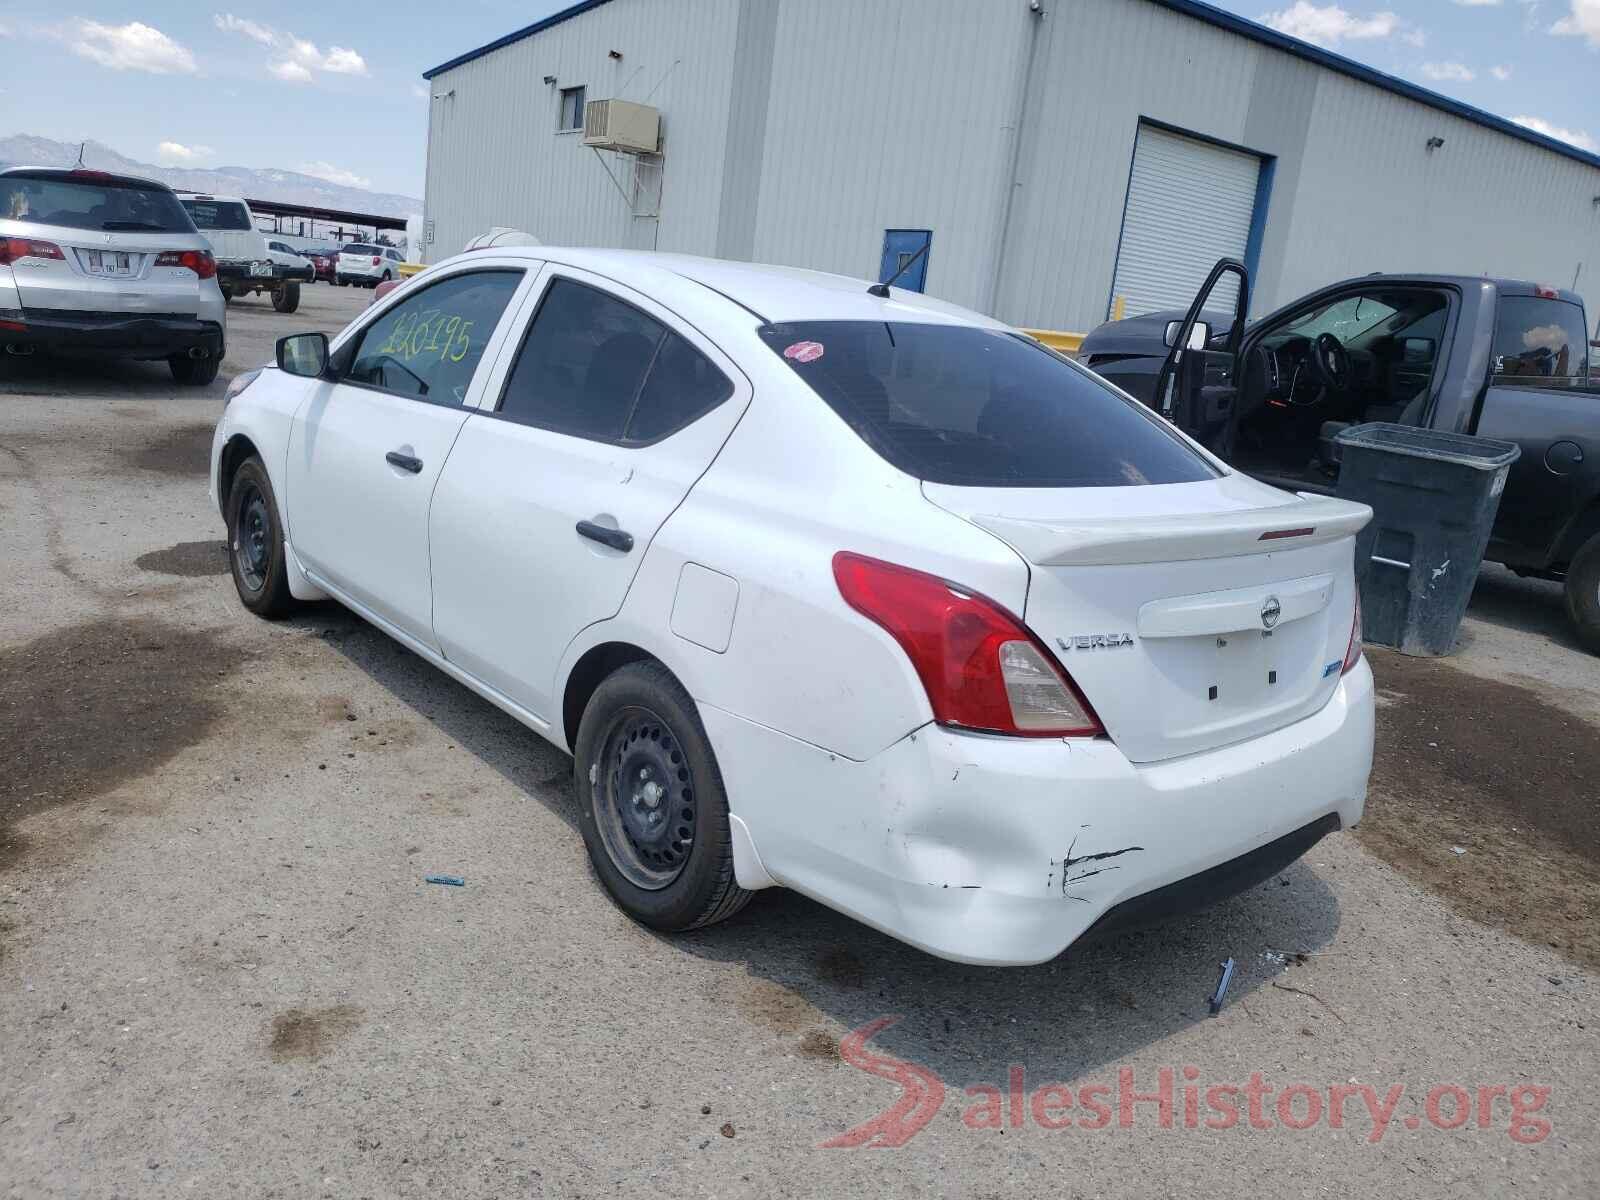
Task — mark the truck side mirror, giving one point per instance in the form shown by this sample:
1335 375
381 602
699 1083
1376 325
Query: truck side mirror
1198 336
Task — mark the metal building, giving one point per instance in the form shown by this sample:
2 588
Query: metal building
1055 155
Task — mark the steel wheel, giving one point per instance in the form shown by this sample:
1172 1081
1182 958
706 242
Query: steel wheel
645 810
252 537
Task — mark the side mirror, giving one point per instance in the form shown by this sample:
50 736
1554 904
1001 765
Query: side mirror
303 354
1198 336
1416 350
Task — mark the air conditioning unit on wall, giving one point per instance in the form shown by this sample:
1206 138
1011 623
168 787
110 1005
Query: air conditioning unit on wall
622 125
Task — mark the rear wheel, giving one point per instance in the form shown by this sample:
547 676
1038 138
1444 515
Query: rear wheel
227 292
255 542
1583 594
652 808
194 372
286 296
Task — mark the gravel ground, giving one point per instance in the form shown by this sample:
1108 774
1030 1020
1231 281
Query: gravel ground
221 972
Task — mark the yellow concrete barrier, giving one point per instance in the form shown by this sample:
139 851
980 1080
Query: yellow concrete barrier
408 269
1067 343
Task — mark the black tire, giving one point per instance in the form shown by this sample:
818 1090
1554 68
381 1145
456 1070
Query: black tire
286 298
227 292
385 279
641 719
1583 594
256 555
194 372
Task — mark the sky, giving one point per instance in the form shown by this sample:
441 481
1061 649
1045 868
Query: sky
303 86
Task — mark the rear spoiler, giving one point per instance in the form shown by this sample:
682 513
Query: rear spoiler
1112 541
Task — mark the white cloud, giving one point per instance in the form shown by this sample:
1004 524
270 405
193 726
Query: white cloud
418 91
253 30
131 47
176 154
296 59
333 174
1453 71
1478 3
1329 25
1502 73
1415 37
1573 137
1583 21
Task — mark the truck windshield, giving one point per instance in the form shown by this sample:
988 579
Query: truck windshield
218 214
981 408
91 202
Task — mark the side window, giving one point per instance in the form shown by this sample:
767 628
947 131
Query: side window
1535 338
429 345
682 387
581 366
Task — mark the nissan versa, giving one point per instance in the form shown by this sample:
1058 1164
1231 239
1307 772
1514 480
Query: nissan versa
845 590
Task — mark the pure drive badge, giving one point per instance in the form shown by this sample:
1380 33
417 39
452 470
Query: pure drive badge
1095 641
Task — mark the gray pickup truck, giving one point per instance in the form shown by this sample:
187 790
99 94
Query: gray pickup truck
1496 358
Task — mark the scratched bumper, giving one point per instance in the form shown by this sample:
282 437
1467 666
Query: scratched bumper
1004 851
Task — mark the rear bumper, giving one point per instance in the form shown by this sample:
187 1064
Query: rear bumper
1004 851
116 335
237 275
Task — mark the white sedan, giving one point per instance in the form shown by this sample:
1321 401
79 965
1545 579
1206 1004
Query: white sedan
868 596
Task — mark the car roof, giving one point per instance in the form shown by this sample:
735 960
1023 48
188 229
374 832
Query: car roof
771 293
84 174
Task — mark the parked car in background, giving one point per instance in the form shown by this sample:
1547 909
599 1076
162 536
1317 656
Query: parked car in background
244 263
866 595
1497 358
99 264
296 264
365 264
321 263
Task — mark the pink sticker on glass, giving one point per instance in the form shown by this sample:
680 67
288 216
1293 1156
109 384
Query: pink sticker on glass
804 352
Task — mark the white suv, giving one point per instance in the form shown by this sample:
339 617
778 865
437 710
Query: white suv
244 263
366 264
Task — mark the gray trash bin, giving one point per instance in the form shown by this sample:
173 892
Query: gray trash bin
1434 497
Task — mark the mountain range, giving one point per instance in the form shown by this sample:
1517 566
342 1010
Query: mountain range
286 187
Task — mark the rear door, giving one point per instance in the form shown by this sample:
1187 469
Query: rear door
1540 397
611 410
366 450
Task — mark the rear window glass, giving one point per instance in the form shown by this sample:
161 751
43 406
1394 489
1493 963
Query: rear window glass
979 408
91 204
218 214
357 248
1539 339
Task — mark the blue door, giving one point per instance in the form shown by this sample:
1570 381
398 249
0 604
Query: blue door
899 247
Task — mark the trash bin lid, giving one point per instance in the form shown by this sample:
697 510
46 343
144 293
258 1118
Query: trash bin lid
1485 454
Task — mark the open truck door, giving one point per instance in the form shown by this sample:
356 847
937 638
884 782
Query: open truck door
1197 388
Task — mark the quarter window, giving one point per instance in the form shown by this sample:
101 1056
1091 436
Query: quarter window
429 345
1539 339
595 367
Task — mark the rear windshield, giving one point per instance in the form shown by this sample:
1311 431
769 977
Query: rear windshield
218 214
355 248
979 408
1536 338
108 204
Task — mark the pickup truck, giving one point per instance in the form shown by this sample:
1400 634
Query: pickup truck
245 263
1496 358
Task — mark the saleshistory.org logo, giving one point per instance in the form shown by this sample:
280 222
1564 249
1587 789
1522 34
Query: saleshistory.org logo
1195 1105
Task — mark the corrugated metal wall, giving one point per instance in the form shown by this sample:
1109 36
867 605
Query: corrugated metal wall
841 119
495 158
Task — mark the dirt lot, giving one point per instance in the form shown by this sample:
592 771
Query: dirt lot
221 972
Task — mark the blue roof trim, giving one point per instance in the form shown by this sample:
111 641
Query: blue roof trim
526 31
1212 15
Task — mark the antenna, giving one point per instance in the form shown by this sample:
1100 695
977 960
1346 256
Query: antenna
882 289
81 147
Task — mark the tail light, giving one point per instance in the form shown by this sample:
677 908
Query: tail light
981 668
376 259
199 261
1352 652
13 248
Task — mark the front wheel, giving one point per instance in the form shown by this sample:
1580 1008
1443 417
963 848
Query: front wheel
286 297
255 543
652 808
1583 594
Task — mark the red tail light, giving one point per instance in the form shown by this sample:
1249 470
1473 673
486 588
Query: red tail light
198 261
376 259
981 668
1352 652
12 248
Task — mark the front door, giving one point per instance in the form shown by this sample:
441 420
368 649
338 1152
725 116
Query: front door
1197 388
366 450
610 411
900 247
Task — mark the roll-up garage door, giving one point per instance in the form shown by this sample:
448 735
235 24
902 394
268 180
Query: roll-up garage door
1189 204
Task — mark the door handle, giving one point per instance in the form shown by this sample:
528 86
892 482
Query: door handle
406 462
617 539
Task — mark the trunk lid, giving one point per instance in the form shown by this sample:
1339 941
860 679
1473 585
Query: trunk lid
1191 615
108 273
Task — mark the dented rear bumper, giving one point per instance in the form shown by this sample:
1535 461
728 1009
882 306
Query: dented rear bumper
1004 851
